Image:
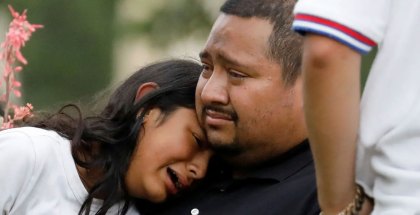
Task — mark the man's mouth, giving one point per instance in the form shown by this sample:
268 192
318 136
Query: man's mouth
218 115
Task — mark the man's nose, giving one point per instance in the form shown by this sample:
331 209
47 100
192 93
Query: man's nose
215 90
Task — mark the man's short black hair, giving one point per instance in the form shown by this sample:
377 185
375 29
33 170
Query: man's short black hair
285 46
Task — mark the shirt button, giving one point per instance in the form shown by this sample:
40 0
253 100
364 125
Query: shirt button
195 211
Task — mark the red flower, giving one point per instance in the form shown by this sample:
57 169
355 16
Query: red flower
20 31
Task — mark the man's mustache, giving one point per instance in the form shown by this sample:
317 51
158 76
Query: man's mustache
222 110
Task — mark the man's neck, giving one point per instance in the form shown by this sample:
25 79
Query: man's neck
244 165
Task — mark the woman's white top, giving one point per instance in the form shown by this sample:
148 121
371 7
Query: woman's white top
38 175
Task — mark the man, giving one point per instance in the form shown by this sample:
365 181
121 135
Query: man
248 99
388 167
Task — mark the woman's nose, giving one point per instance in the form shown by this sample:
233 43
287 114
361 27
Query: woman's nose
197 168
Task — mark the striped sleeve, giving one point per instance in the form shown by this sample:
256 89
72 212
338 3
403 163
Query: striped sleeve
305 23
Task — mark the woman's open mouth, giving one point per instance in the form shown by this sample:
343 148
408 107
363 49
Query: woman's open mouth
176 181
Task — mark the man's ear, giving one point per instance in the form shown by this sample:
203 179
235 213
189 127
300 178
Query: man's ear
144 89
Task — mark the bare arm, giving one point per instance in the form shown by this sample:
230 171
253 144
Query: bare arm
331 74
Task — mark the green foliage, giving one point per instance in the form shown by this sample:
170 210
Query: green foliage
175 20
70 57
367 61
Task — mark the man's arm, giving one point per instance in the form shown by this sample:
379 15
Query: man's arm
331 74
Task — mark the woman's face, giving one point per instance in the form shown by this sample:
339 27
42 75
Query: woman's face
171 154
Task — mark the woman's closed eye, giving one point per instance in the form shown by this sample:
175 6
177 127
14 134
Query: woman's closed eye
201 143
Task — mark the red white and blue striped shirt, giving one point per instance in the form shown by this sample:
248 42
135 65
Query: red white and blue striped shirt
309 23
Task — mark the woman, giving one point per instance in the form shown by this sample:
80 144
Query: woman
146 144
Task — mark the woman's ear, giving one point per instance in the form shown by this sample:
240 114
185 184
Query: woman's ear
144 89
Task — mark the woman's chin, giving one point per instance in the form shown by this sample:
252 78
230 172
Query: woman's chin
158 198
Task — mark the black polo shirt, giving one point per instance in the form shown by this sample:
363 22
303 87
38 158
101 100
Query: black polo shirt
284 186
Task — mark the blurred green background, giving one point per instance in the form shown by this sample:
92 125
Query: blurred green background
87 45
74 56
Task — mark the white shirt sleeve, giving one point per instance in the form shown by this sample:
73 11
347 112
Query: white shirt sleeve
359 24
17 162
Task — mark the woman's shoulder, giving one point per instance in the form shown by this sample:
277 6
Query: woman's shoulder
21 157
32 159
29 134
28 142
28 131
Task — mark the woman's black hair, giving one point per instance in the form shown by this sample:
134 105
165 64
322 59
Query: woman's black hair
107 141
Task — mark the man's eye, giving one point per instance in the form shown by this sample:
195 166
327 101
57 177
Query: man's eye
206 70
236 75
205 67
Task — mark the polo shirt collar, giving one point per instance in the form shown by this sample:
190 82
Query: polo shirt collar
285 165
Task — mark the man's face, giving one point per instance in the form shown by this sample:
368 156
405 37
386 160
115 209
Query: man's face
248 112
